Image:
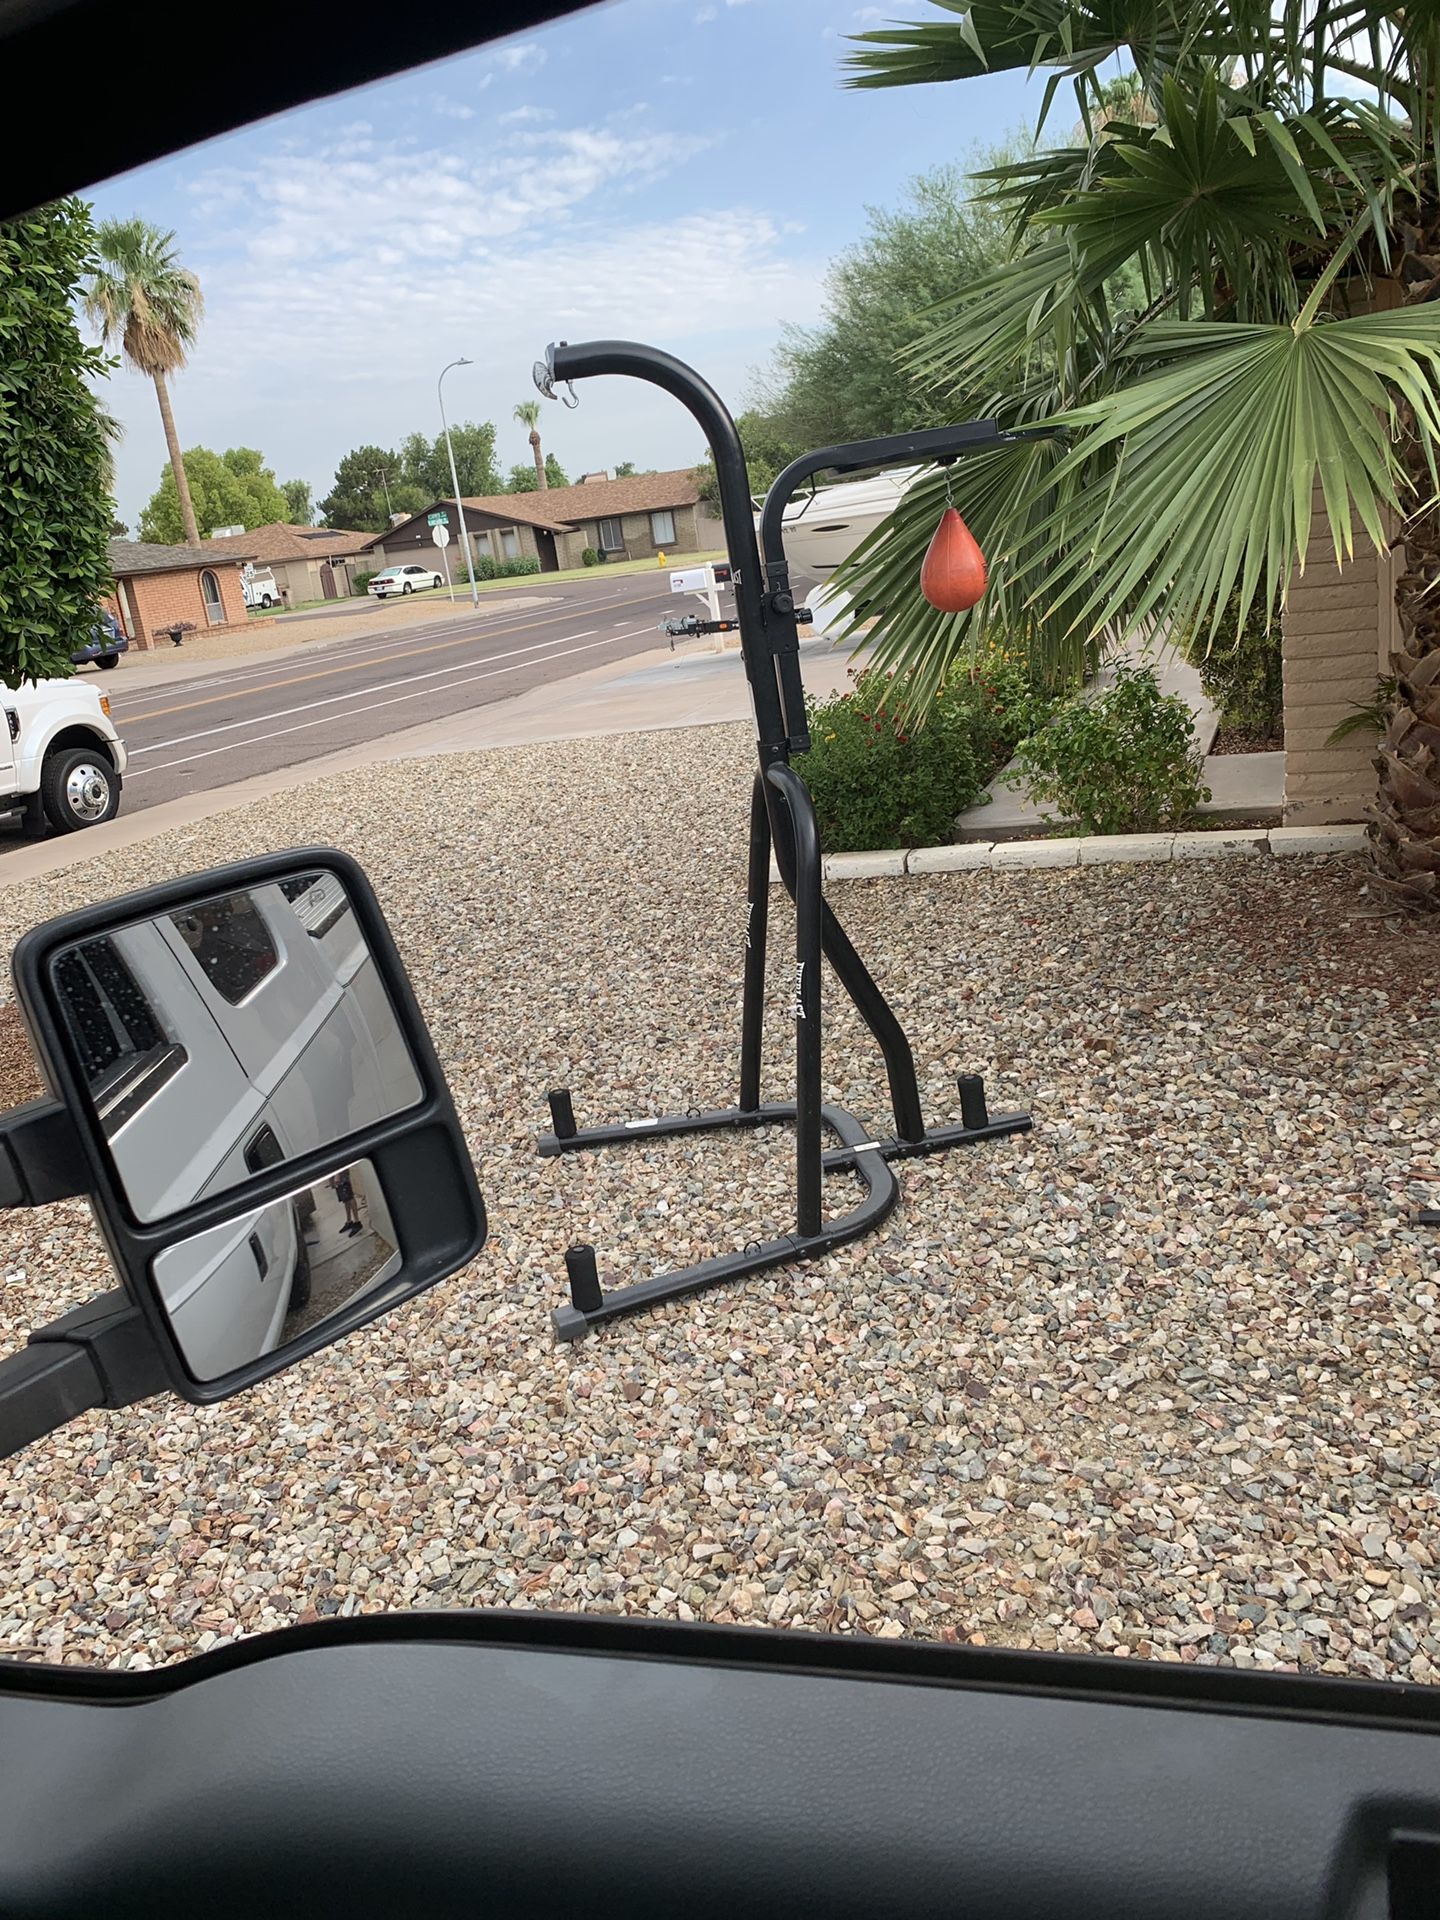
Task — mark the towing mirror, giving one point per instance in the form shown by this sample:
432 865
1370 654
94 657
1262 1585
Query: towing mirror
244 1087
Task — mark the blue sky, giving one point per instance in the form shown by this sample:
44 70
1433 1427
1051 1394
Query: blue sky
678 171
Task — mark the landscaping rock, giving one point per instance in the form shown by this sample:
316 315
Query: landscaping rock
1156 1379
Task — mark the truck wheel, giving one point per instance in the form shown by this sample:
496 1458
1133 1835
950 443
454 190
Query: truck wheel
108 660
79 788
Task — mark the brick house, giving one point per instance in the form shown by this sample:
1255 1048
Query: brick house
155 586
309 563
633 519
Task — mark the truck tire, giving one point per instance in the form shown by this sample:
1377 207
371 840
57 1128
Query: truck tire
108 660
78 788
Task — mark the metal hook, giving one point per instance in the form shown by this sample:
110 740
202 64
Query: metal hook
949 482
574 399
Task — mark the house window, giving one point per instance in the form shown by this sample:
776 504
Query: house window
662 529
611 538
509 544
214 605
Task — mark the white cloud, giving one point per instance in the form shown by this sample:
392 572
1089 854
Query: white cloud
520 56
705 16
520 116
453 109
343 274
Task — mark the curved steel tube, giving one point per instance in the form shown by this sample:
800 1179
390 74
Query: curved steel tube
714 419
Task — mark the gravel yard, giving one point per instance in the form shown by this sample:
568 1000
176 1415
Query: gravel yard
1158 1379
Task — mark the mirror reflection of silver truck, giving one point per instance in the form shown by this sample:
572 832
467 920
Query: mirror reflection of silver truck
61 760
222 1040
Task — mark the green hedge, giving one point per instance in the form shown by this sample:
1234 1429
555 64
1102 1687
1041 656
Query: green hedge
1242 677
878 782
488 569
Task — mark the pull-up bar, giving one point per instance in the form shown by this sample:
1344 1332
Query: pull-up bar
782 816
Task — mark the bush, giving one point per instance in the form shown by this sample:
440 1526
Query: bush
590 557
1123 760
878 781
362 581
1242 678
488 569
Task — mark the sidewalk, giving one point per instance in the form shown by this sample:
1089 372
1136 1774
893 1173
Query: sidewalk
648 692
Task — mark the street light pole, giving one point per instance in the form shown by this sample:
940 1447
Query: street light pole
455 483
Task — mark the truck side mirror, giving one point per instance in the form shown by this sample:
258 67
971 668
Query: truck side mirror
244 1087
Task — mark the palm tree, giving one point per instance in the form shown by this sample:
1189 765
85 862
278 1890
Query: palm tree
141 296
528 414
1250 200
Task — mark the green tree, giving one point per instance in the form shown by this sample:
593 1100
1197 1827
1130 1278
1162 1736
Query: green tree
1279 183
844 378
527 412
369 486
54 511
299 502
626 470
425 464
521 478
230 489
766 452
140 296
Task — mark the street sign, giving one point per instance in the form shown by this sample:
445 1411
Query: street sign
437 519
440 534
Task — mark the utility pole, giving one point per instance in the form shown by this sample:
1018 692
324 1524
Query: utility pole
454 481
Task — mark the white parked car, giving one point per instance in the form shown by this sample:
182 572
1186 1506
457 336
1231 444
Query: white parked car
61 759
408 579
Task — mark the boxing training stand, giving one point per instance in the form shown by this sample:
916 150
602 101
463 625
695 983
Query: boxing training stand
783 816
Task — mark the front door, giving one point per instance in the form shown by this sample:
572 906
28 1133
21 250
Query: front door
327 580
214 605
545 547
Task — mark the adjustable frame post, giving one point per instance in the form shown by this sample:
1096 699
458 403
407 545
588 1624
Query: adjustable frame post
782 819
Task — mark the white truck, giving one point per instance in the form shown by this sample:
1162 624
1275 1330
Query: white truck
61 760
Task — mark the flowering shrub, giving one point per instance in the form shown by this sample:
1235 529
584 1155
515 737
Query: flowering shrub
882 781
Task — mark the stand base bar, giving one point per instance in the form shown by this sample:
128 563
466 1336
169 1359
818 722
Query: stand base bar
621 1133
881 1192
936 1140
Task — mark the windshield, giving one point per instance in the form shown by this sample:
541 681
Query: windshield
1150 1373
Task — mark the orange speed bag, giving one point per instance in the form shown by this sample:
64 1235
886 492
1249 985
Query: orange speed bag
952 575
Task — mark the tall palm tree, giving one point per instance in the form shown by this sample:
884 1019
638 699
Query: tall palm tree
528 414
141 296
1255 197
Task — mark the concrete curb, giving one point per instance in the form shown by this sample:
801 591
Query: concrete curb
1099 850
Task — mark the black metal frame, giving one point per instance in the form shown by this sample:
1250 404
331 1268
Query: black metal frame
783 817
54 1147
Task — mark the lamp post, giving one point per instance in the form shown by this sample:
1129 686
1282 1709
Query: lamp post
454 481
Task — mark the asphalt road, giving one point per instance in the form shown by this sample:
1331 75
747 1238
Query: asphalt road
186 736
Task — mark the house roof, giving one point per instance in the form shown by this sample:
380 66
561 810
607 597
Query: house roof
279 541
144 556
592 499
560 509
